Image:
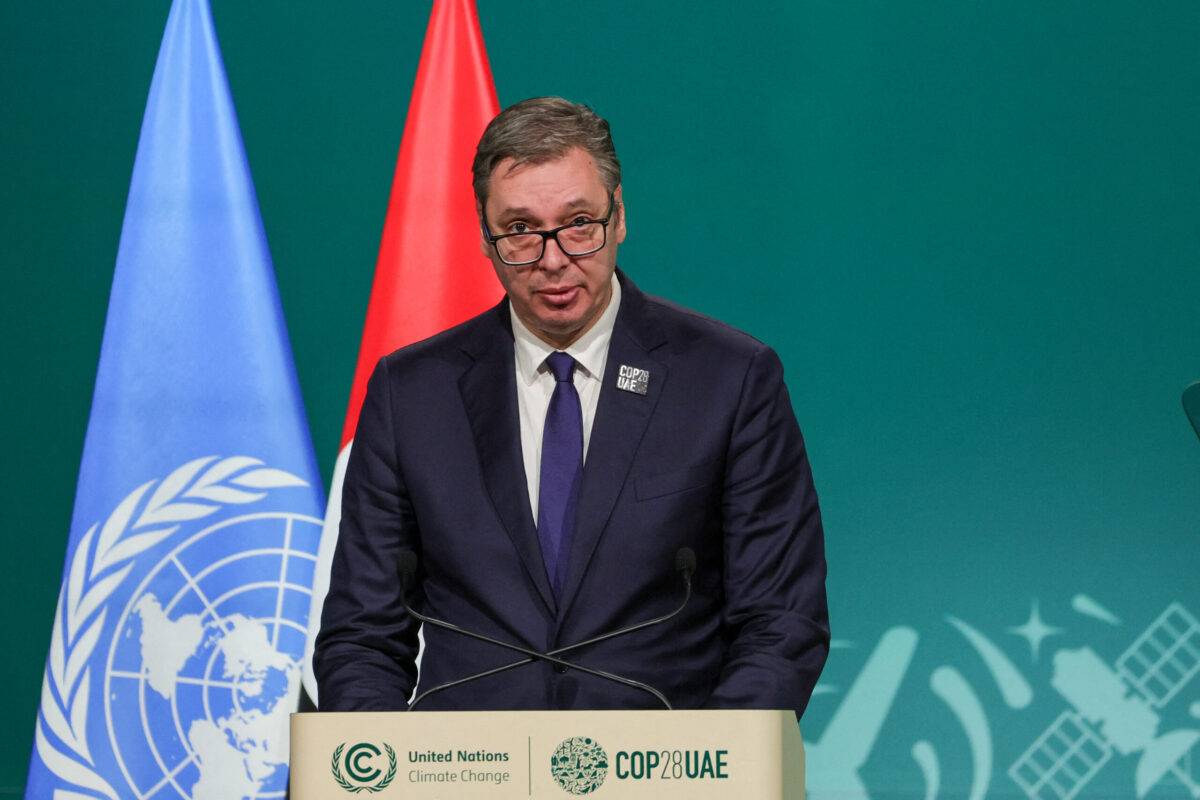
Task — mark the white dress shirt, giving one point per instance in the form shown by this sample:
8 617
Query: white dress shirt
535 384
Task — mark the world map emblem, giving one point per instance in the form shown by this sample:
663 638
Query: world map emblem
579 765
199 663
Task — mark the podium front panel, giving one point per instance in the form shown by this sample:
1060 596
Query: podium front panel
750 755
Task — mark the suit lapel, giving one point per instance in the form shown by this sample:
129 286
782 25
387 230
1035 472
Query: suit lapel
489 394
620 421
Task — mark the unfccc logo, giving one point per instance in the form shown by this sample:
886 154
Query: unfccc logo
360 763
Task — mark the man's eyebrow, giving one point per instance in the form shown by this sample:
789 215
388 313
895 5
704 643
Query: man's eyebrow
568 208
509 213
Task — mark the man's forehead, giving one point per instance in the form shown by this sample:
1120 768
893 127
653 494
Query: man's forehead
565 182
511 165
574 165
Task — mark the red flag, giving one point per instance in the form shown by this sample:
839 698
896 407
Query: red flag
430 274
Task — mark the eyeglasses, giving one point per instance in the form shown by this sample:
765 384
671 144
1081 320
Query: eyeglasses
580 238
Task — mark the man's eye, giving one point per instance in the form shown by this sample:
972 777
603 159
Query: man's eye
518 227
581 221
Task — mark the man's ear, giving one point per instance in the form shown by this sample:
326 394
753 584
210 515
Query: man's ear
484 247
618 215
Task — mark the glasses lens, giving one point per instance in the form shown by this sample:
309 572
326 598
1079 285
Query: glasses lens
579 240
520 249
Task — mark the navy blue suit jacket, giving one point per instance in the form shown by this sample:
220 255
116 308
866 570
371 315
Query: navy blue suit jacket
710 458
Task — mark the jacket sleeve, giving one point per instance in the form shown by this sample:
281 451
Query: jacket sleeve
365 654
775 616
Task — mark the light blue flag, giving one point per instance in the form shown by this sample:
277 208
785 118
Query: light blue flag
177 639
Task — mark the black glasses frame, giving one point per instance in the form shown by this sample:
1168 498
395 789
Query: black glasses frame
552 234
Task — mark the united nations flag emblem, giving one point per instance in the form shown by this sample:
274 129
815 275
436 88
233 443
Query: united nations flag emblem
188 607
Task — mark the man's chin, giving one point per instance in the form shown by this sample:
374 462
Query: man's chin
561 317
562 324
561 329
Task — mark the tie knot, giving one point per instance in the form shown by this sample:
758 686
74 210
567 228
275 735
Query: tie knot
562 365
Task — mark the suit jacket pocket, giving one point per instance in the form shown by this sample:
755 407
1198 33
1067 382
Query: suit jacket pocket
675 481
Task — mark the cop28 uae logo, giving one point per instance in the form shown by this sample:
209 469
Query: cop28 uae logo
359 763
579 765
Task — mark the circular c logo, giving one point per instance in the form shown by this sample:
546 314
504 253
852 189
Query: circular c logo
360 773
355 756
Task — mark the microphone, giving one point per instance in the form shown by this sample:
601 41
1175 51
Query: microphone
1191 405
407 567
685 562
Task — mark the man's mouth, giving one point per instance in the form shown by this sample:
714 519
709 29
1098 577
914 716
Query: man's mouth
559 295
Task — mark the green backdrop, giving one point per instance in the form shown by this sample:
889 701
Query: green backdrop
971 230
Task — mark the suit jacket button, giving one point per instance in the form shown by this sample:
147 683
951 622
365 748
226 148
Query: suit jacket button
560 669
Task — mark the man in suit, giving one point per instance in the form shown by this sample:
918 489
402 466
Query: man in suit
547 461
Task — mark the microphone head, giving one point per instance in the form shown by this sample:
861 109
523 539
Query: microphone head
1191 405
685 561
407 565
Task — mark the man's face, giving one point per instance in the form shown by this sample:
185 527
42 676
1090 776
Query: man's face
559 297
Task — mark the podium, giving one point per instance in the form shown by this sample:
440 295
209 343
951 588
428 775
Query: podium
547 755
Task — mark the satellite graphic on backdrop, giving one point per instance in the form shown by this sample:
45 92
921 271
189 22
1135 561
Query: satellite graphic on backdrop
1112 715
1116 710
1129 720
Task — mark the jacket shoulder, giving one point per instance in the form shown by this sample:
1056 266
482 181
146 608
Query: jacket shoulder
689 331
451 348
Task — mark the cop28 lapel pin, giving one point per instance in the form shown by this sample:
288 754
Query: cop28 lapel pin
633 379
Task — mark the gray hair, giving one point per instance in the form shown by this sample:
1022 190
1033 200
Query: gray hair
543 129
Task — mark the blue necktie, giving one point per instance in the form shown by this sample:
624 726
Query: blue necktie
562 469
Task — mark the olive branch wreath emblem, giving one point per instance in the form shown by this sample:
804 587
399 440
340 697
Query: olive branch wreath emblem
101 562
336 768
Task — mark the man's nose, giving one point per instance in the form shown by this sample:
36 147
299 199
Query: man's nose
553 256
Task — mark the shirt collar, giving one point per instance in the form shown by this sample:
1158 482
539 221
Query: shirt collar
590 351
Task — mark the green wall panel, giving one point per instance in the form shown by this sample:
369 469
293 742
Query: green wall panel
971 230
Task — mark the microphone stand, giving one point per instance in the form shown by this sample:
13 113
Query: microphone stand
685 561
561 650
